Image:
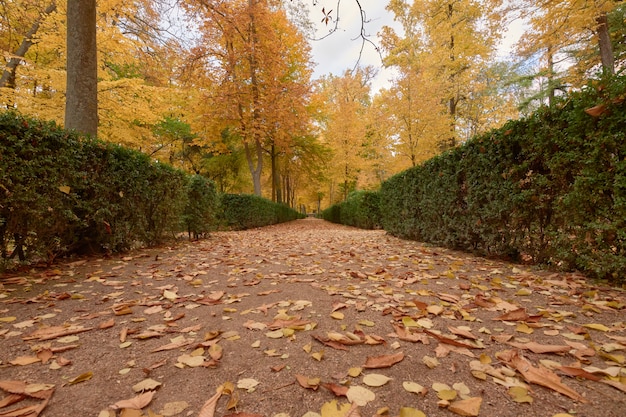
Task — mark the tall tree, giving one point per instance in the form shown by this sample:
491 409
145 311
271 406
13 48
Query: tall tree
444 47
81 108
254 66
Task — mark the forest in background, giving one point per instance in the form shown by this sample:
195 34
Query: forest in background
224 88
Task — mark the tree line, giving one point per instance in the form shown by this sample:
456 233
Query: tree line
224 88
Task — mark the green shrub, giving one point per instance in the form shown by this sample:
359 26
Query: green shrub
550 188
64 193
200 215
361 209
245 211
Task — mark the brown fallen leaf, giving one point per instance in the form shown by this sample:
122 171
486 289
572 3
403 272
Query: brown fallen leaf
468 408
208 409
49 333
538 375
462 332
107 324
515 315
25 360
45 355
449 341
578 373
338 390
308 383
384 361
539 348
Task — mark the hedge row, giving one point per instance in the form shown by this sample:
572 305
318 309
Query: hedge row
361 209
550 188
244 211
63 193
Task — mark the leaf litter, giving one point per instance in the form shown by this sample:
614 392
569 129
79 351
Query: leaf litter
253 323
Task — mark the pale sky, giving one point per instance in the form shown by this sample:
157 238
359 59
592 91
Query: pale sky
340 50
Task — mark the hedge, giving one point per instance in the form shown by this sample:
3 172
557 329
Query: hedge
245 211
63 193
361 209
550 188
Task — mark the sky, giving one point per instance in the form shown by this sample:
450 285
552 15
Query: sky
340 50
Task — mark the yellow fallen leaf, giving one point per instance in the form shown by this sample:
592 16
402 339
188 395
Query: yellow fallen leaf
520 395
81 378
447 394
7 319
318 356
333 409
596 326
523 328
354 372
375 380
64 189
411 412
337 315
414 387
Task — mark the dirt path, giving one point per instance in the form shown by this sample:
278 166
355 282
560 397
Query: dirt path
296 317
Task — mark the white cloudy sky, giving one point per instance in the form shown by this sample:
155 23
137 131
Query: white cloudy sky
340 51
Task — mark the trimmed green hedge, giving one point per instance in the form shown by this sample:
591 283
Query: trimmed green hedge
245 211
550 188
361 209
64 193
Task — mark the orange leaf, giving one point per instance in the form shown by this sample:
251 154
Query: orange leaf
384 361
135 403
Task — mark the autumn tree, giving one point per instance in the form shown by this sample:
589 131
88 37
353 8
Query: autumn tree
254 68
572 39
444 47
343 128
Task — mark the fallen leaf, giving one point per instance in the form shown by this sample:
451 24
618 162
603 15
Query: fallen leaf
247 384
520 395
360 396
414 387
208 409
538 375
174 408
25 360
146 385
338 390
375 380
468 408
411 412
135 403
81 378
384 361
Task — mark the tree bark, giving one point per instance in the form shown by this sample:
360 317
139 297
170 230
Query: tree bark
8 75
81 105
604 42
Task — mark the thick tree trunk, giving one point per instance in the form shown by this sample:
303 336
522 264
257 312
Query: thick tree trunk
604 42
81 105
8 75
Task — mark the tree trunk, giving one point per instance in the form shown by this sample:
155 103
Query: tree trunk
81 105
255 171
604 42
8 75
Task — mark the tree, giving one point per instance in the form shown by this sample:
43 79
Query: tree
254 69
81 108
444 48
343 128
8 75
571 37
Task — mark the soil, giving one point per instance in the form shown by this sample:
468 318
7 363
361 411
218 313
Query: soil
299 307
